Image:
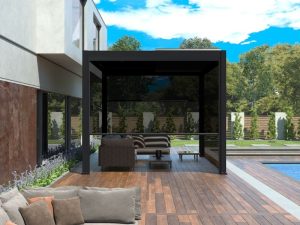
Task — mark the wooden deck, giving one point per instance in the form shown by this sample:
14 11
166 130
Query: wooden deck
192 193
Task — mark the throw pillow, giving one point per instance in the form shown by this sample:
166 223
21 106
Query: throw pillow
3 217
136 190
12 206
37 213
138 141
10 223
5 196
67 211
44 192
47 200
107 206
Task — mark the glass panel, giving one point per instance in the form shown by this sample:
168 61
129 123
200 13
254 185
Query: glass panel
211 114
96 105
56 124
153 104
76 130
76 22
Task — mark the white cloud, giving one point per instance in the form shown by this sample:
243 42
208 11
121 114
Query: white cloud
219 20
97 1
248 42
112 0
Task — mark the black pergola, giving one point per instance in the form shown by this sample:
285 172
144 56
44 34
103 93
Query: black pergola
209 65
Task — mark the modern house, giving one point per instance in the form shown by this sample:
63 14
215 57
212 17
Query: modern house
41 77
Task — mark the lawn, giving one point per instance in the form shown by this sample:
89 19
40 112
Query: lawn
242 143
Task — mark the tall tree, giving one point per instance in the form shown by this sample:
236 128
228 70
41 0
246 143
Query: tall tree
271 127
126 43
254 126
197 43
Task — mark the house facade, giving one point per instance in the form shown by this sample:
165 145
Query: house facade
41 44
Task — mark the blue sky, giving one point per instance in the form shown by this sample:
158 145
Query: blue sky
233 25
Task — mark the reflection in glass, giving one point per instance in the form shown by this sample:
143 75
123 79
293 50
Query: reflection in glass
56 124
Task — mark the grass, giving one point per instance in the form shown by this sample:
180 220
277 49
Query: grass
242 143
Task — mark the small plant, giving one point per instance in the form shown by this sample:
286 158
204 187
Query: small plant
170 125
140 123
289 126
237 127
122 120
156 125
254 127
189 125
40 176
54 130
271 134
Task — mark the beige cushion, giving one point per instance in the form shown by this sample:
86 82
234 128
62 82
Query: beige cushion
108 206
67 211
12 206
136 191
37 213
44 192
3 217
5 196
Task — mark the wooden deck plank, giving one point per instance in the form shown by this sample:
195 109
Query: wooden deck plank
189 195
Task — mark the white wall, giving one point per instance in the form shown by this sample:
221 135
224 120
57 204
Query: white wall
21 67
18 22
90 12
44 27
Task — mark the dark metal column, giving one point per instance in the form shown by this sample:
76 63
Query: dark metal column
68 124
222 112
85 115
201 115
42 125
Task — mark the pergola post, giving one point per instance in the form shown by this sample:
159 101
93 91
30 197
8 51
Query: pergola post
222 113
201 115
85 114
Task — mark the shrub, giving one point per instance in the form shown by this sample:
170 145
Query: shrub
155 125
122 120
189 125
271 134
140 124
170 127
254 127
289 126
237 127
298 130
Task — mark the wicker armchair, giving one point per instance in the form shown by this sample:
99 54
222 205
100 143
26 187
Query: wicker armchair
117 153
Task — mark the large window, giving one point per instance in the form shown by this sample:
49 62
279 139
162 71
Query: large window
76 118
76 22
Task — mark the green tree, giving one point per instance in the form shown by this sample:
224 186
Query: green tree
126 43
254 126
298 130
49 124
237 127
54 130
289 126
170 127
189 125
140 123
122 120
155 125
197 43
62 126
271 134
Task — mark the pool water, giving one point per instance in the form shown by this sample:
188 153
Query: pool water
289 169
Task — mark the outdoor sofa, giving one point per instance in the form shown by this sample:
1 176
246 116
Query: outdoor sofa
71 205
148 144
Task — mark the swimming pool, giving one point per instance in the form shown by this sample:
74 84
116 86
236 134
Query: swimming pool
289 169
